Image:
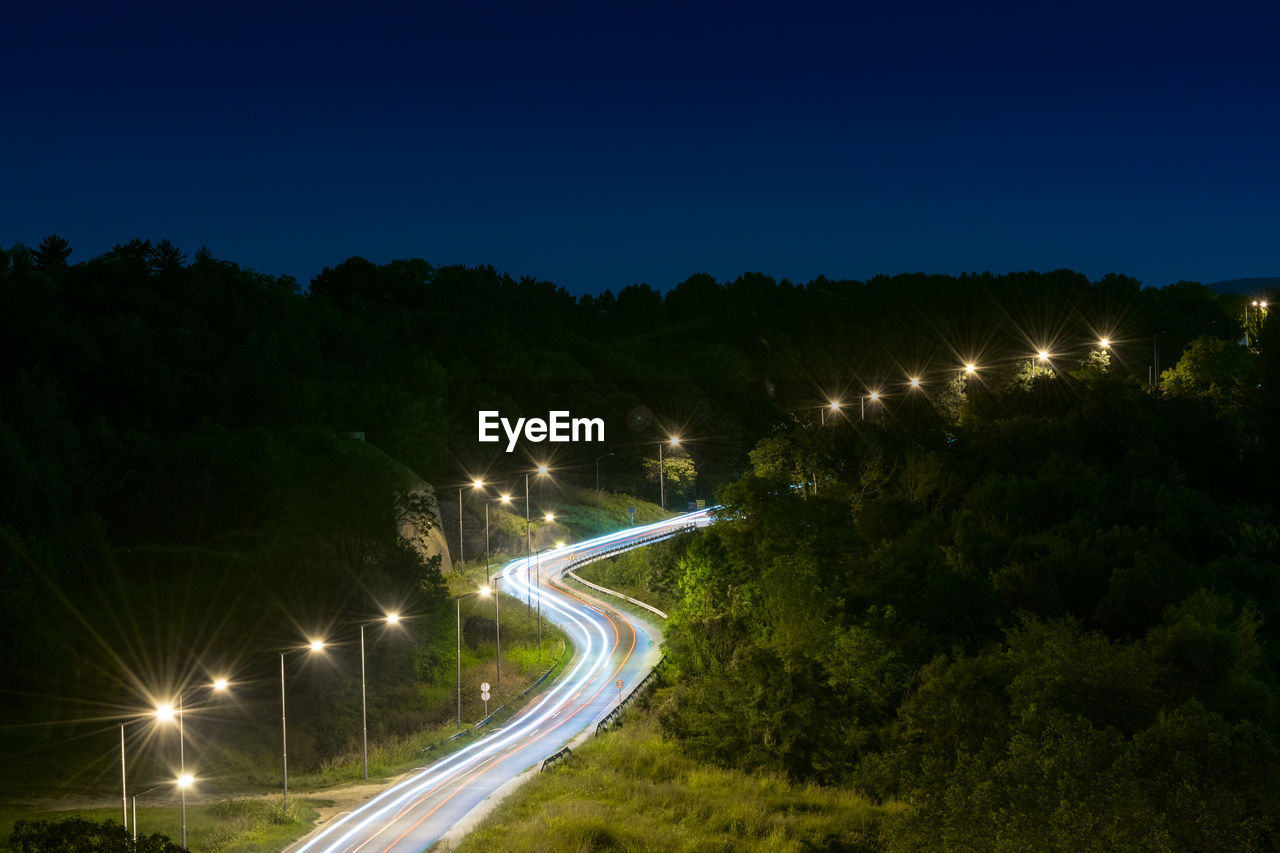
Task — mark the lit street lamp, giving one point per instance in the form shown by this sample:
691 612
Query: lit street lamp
313 646
834 407
390 619
159 714
873 396
165 713
674 441
475 484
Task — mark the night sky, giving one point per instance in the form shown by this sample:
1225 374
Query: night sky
600 145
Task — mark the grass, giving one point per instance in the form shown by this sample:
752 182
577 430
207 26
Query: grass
631 790
249 825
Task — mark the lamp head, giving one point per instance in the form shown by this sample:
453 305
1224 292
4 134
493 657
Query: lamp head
393 618
316 645
165 712
220 684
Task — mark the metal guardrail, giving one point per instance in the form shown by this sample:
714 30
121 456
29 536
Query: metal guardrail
551 760
612 718
601 555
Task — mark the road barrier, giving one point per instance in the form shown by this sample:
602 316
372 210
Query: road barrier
551 760
611 718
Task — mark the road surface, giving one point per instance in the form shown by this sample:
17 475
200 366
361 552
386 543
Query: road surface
609 646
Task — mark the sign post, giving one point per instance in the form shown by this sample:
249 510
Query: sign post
484 694
619 683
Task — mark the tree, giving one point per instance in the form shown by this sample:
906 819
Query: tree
52 254
1211 368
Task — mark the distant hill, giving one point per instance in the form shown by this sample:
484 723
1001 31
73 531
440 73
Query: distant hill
1245 285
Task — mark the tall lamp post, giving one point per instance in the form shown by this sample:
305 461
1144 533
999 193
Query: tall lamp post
834 406
874 397
475 484
158 713
389 619
166 713
540 553
457 600
598 458
674 441
313 646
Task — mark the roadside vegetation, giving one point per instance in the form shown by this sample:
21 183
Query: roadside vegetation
633 789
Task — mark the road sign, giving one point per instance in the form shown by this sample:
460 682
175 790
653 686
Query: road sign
484 688
485 695
619 684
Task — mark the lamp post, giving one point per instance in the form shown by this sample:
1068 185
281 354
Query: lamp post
834 406
314 646
165 713
874 397
390 619
457 600
162 713
506 499
497 632
598 458
540 553
475 484
674 441
134 801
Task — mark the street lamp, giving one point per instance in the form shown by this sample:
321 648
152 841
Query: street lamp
539 576
162 713
313 646
674 441
390 619
834 406
475 484
598 458
915 382
183 781
1043 355
457 599
873 396
165 713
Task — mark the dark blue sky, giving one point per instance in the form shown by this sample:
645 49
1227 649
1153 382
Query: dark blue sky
599 145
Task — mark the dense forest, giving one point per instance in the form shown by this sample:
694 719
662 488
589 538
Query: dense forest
1050 624
1042 590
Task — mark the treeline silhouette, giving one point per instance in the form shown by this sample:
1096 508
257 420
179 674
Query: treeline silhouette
181 491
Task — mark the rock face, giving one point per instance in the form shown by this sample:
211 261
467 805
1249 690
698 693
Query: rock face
431 542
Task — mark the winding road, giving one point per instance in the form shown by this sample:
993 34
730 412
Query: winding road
609 645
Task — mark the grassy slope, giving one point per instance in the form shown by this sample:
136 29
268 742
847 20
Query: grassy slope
631 790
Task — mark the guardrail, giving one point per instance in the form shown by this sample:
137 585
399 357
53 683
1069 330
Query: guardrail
600 555
611 718
614 593
551 760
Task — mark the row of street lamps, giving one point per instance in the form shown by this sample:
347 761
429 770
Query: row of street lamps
167 712
915 383
478 484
